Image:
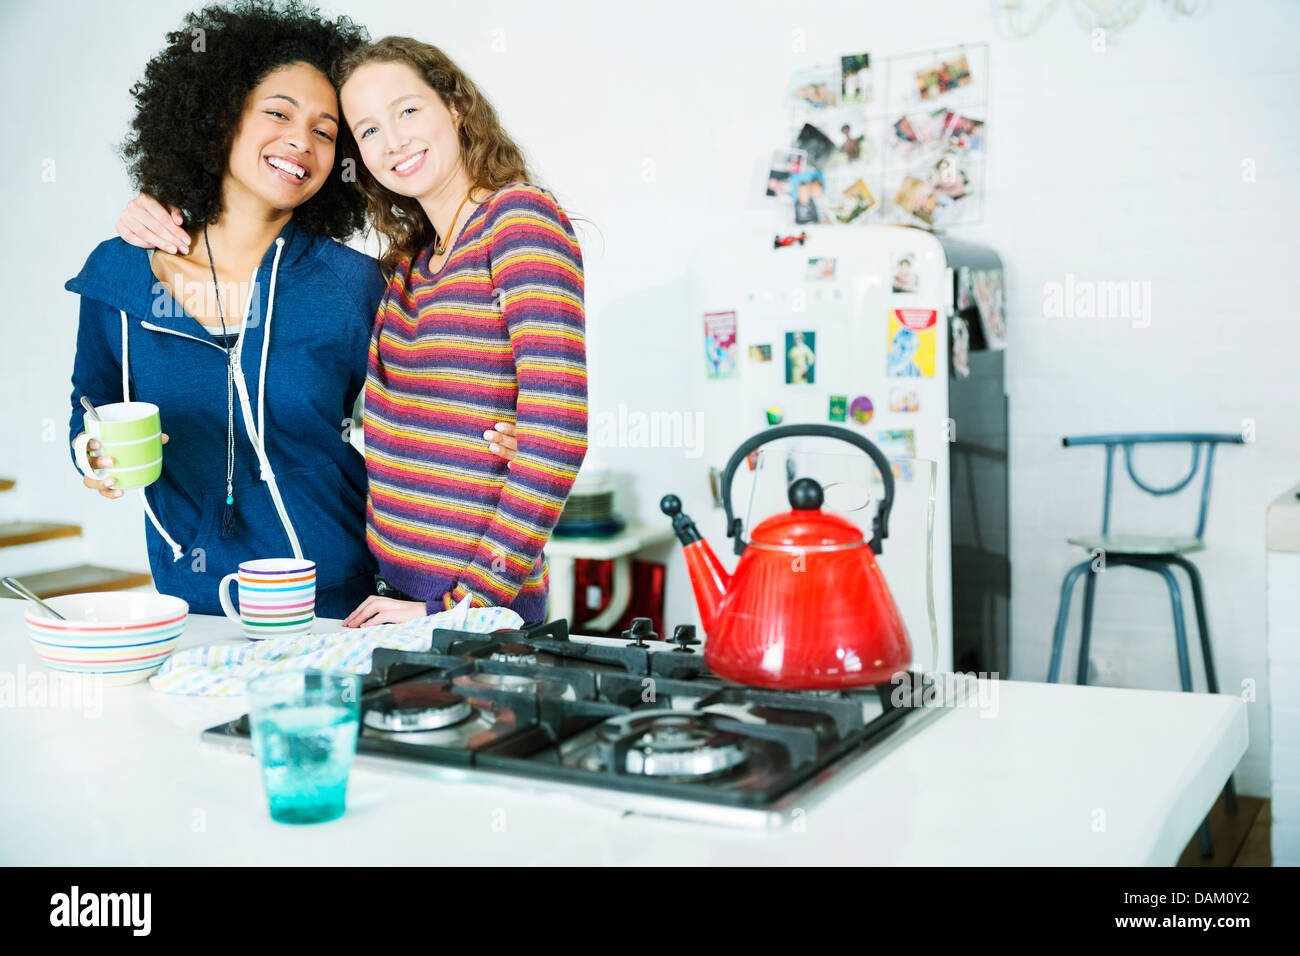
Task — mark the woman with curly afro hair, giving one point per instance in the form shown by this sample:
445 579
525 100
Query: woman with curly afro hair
248 329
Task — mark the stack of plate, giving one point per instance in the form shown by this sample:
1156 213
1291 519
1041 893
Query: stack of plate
589 512
122 636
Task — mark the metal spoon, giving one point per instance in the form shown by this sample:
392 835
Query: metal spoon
90 409
13 584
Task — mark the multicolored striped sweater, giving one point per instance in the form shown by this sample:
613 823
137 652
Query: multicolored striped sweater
497 334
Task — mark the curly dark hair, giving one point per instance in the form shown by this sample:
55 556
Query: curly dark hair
189 104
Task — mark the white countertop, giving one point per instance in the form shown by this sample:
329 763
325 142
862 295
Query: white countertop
1058 775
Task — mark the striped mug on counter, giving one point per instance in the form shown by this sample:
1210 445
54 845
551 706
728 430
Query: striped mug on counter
277 596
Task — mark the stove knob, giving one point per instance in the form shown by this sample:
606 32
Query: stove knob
684 637
642 630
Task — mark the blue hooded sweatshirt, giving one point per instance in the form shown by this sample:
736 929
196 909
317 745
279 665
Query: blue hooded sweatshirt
316 299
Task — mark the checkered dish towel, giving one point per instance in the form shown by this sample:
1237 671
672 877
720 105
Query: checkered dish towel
222 670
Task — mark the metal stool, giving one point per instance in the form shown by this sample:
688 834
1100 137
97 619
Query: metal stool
1153 553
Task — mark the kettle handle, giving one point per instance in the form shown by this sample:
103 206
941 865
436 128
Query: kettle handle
879 523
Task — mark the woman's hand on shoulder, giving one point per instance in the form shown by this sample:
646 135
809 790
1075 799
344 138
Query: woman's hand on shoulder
147 223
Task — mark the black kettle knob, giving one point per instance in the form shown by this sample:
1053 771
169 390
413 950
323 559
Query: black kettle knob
806 495
684 527
684 637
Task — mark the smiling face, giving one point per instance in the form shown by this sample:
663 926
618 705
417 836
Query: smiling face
407 137
283 149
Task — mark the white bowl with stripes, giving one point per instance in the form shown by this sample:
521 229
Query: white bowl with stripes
122 636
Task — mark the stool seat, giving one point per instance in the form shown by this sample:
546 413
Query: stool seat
1138 544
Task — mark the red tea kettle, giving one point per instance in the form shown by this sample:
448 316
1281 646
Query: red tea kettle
807 607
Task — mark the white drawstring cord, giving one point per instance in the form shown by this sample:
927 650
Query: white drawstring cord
255 433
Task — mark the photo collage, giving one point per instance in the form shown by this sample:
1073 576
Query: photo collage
886 140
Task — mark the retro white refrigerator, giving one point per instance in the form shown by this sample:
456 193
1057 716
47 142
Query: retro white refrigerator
869 337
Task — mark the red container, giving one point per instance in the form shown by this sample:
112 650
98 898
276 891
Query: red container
807 606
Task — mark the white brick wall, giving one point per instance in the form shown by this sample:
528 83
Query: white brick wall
1123 165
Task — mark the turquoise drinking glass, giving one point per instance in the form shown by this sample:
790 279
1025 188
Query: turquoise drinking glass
304 726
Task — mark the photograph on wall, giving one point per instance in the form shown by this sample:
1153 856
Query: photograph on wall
962 132
838 408
815 144
853 201
916 197
905 278
816 87
810 207
800 358
896 444
720 343
916 134
944 77
784 164
760 353
912 334
855 78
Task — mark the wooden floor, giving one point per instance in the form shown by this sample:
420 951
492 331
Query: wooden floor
1240 839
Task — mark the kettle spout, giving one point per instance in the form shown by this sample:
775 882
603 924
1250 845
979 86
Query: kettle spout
709 579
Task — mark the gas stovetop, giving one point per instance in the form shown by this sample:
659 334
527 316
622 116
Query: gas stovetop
634 722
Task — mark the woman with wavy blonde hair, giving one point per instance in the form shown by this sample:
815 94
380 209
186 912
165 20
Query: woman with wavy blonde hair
482 321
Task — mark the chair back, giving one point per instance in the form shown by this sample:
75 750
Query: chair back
1203 445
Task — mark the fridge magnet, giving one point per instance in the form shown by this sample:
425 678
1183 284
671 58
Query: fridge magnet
800 358
862 410
912 334
720 343
896 444
855 78
986 286
815 87
760 353
904 400
948 75
820 269
905 273
785 163
839 406
715 485
809 188
960 348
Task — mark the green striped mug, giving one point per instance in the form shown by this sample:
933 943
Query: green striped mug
130 433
